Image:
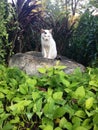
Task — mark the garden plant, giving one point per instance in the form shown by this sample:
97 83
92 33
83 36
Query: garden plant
53 101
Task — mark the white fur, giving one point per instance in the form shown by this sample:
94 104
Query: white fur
48 44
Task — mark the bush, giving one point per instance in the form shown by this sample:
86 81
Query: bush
54 16
71 33
84 42
4 44
18 24
54 101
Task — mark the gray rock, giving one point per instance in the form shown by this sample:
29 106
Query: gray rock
31 61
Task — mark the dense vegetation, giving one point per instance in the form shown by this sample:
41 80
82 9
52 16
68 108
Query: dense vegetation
55 101
22 21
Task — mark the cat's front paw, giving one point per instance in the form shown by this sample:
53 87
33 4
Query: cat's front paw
50 58
45 56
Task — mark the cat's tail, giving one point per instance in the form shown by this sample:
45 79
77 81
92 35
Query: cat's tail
58 58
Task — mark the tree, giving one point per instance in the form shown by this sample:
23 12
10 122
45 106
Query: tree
94 3
24 12
4 44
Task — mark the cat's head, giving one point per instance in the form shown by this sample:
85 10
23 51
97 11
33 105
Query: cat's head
46 34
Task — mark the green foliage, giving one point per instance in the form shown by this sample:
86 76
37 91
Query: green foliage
94 3
85 39
71 33
55 16
22 14
4 44
53 101
21 23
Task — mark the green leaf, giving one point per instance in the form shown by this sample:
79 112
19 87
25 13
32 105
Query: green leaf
68 90
16 99
87 123
58 95
89 114
23 88
42 70
80 113
80 92
65 82
81 128
38 107
10 95
1 110
31 82
13 82
69 110
60 67
59 112
49 109
95 127
29 115
4 116
8 126
35 95
16 120
19 107
89 103
50 91
47 121
65 124
5 91
95 119
76 121
94 83
2 95
57 128
48 127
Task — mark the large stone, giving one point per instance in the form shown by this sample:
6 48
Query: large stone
31 61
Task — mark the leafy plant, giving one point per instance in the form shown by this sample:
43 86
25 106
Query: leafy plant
4 43
15 26
21 14
55 16
53 101
85 39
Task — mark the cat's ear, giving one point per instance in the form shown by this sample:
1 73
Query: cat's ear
42 31
50 30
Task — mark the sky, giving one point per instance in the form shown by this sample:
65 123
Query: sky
9 1
84 2
52 0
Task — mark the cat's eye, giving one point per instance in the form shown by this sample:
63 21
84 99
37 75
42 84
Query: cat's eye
45 33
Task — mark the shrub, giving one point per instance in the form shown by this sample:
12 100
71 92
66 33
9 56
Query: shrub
4 44
54 101
56 17
22 14
84 42
27 20
71 33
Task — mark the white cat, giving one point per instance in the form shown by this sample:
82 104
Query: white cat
48 44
